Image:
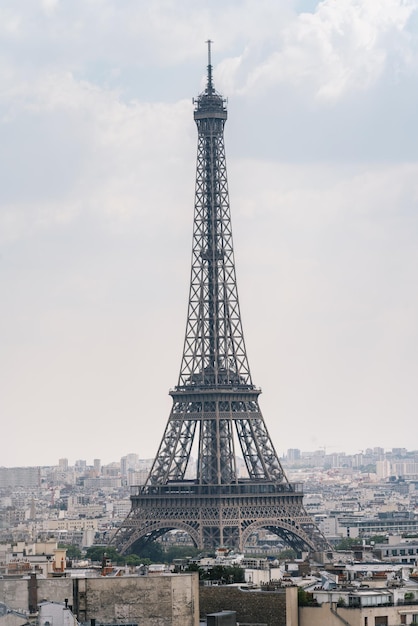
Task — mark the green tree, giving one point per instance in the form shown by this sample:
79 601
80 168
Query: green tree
151 550
96 553
193 567
73 552
347 543
180 552
378 539
226 574
134 560
305 598
289 553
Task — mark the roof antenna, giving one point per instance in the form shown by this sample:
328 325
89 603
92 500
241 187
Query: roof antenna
210 84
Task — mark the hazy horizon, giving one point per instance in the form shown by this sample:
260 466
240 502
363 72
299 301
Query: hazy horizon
282 455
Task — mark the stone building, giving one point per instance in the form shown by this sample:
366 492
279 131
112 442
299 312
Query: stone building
252 606
330 614
161 600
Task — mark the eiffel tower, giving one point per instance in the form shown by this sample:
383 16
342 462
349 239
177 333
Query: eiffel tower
215 408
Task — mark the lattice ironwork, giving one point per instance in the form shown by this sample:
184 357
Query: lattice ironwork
215 404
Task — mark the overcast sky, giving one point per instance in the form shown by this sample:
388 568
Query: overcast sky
97 165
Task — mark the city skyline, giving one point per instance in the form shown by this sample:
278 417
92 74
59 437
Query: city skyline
286 455
98 158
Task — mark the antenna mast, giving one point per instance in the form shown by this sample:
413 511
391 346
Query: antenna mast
210 84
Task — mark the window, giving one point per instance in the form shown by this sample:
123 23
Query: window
381 620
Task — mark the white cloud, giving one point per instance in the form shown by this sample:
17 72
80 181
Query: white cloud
98 153
343 46
49 6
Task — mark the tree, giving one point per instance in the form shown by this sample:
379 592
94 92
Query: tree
73 552
134 560
347 543
226 574
378 539
180 552
305 598
96 553
152 550
289 553
193 567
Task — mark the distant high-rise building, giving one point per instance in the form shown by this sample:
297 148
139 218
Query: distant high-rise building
20 477
129 463
399 451
63 464
383 469
293 454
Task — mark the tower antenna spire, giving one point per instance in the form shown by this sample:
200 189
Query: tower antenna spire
210 82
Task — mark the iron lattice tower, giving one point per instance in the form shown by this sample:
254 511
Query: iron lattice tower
215 404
